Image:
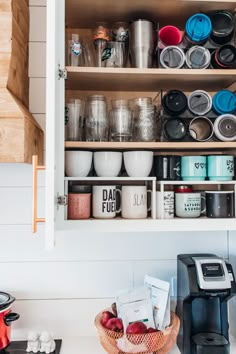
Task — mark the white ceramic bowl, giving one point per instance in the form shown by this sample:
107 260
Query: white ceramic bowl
107 163
138 163
78 163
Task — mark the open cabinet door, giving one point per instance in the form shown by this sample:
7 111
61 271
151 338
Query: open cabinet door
55 103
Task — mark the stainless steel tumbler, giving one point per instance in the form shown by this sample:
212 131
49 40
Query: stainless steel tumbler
142 43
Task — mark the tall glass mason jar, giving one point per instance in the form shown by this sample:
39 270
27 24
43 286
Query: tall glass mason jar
96 122
145 123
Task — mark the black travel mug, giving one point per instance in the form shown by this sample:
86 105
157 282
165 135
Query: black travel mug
167 168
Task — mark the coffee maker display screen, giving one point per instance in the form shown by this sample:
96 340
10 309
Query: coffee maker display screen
212 270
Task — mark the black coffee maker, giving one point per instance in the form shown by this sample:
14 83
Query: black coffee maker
205 283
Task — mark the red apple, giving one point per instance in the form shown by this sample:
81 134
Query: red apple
114 324
151 330
136 328
106 315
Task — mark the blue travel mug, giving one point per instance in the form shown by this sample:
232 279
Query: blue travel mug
197 30
220 167
193 168
224 101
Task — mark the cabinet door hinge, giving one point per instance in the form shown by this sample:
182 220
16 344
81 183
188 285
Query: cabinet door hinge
62 73
62 200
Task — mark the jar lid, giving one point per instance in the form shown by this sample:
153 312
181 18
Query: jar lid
175 129
226 55
183 189
198 27
174 102
224 101
222 23
5 300
172 57
198 57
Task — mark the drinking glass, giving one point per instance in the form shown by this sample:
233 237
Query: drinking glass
75 124
114 55
96 122
89 54
101 36
75 57
120 121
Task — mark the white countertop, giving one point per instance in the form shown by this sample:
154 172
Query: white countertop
87 345
91 345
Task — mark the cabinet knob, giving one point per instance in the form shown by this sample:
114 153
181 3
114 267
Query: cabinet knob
35 219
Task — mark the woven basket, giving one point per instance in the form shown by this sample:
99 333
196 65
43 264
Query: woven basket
159 342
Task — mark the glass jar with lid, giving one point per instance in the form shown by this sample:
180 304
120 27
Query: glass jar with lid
145 122
96 122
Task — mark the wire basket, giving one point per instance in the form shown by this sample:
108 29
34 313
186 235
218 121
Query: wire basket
159 342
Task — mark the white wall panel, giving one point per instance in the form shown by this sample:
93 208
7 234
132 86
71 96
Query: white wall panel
74 246
65 318
38 2
161 269
17 205
37 24
37 95
18 175
52 280
37 61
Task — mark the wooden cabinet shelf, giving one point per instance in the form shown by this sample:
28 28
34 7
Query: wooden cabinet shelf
149 145
126 79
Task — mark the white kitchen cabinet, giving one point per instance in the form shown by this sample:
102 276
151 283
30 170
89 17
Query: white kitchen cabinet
79 16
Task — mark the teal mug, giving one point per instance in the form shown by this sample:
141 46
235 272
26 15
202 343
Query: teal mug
220 167
193 168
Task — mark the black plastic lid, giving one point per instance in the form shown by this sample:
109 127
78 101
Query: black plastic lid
5 300
175 129
174 102
222 23
227 55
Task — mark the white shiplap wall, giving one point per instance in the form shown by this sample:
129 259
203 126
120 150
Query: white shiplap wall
63 290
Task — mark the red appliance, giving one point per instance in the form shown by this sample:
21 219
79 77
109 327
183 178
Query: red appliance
6 318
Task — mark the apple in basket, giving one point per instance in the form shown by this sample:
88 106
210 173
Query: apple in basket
152 330
136 328
106 316
115 324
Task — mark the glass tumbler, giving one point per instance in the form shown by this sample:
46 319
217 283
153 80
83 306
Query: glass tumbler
96 122
114 55
120 121
145 123
75 123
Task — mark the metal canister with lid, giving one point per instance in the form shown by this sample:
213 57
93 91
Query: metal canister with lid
224 57
222 26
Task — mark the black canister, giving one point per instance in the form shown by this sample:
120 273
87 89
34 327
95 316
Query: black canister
167 168
174 102
220 204
175 129
222 26
224 57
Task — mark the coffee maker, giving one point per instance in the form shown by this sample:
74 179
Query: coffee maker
205 283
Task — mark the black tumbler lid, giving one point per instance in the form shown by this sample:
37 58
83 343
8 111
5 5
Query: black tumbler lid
175 129
222 23
174 102
227 55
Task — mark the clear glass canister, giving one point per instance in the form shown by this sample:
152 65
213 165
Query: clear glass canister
96 122
145 123
121 121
